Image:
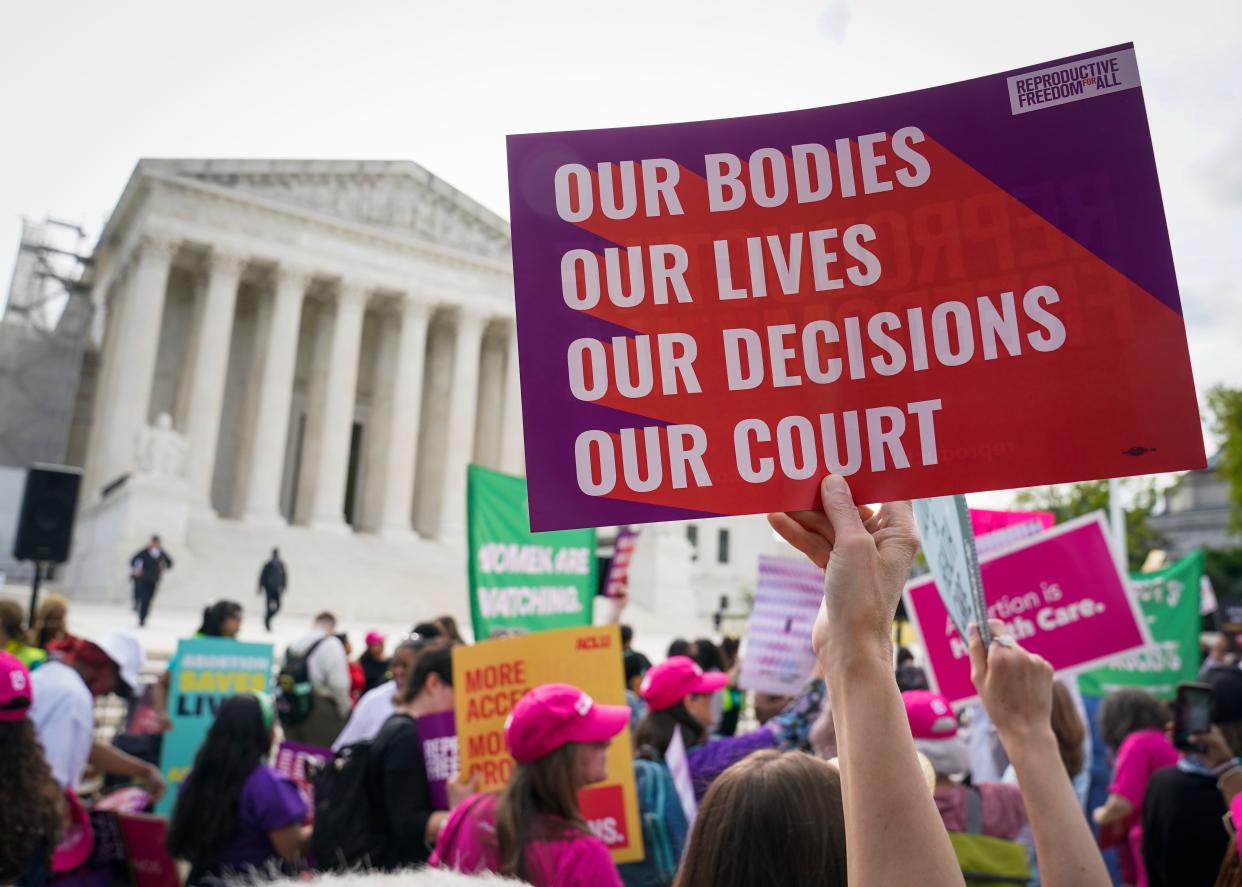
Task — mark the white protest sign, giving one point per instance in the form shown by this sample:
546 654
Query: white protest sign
778 657
949 546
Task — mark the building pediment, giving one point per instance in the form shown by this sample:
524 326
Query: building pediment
392 195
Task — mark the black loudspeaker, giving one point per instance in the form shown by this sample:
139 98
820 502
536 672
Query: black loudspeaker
49 505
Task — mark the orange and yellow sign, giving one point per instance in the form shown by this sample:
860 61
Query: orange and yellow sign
490 677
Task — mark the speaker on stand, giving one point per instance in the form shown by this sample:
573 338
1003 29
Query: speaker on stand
45 522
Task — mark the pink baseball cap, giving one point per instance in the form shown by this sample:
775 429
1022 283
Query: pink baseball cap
675 678
931 716
16 694
374 637
553 715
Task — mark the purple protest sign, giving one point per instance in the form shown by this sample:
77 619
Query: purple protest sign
291 760
438 733
714 315
778 657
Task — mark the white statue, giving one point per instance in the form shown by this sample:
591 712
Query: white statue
161 451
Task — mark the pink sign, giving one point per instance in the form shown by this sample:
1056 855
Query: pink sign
985 520
1059 594
149 863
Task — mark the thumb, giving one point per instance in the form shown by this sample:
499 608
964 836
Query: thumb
840 509
978 656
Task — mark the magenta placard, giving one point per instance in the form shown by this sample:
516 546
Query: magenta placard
1060 595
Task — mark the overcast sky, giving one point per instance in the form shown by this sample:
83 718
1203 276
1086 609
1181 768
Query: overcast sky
89 87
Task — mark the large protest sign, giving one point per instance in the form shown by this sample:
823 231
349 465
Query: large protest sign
712 316
438 735
519 579
488 680
949 546
778 657
1059 594
1169 600
203 673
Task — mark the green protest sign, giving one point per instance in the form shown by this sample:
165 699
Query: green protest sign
1169 600
520 579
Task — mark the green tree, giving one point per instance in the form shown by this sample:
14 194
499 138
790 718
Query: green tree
1225 407
1074 500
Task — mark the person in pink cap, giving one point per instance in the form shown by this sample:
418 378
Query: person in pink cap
373 661
533 829
679 694
32 804
934 726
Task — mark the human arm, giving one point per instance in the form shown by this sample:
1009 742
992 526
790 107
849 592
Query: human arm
291 842
111 759
1115 809
1016 689
895 835
329 672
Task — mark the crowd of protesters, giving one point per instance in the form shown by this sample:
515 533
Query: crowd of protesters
865 776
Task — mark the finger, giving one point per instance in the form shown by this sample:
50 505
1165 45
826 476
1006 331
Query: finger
978 656
899 513
841 511
813 545
815 521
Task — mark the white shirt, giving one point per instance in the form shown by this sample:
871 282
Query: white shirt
63 715
328 668
373 709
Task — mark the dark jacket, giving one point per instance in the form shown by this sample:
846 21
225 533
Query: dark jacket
273 577
400 794
146 567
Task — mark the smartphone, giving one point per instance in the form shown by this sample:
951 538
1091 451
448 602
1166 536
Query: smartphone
1192 714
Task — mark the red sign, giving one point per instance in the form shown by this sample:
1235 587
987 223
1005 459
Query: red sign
931 293
603 808
149 862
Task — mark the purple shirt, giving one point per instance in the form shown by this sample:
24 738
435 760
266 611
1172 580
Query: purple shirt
269 802
709 760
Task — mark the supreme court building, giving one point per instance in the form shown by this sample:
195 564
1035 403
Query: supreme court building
303 354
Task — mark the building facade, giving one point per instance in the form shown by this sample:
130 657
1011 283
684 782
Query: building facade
306 355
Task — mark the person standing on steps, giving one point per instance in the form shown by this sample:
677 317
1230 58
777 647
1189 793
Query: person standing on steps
146 568
273 580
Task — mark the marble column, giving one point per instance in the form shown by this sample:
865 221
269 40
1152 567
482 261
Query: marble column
393 447
277 352
209 362
329 466
132 374
512 447
463 406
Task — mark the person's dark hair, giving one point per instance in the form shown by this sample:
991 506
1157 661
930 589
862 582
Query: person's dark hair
325 616
771 818
655 730
216 615
636 665
13 620
275 554
208 809
1068 728
1128 711
427 630
31 802
437 659
448 628
679 647
627 635
707 655
729 645
539 803
904 657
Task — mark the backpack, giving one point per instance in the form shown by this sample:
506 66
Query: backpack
345 834
984 859
658 809
295 697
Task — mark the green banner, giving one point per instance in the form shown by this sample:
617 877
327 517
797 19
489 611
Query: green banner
519 579
1169 600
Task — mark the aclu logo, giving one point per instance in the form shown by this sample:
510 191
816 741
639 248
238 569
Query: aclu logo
600 642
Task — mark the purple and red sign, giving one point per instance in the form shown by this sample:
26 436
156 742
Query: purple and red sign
1060 594
438 733
968 287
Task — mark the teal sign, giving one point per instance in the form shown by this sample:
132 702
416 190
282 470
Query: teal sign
519 579
204 673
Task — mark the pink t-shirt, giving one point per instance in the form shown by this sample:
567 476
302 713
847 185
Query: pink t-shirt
1141 754
1002 813
467 844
